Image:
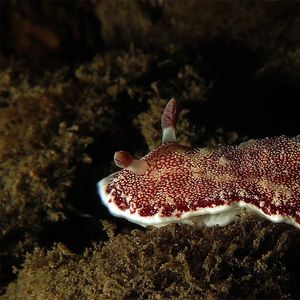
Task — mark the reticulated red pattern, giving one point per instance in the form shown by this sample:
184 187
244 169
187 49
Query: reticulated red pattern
264 173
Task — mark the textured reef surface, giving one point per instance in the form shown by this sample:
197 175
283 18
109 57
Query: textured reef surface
173 262
80 81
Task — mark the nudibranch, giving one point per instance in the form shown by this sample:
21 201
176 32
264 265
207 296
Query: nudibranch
175 183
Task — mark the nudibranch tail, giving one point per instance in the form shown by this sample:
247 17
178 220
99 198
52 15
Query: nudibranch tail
125 160
168 122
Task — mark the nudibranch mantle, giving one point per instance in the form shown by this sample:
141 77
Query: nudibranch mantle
175 183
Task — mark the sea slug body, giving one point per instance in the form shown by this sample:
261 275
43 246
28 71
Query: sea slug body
174 183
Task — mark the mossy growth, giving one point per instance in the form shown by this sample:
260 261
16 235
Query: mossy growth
248 259
53 128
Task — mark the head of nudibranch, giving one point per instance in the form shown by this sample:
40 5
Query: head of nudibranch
175 183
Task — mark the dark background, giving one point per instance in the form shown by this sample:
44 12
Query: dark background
234 65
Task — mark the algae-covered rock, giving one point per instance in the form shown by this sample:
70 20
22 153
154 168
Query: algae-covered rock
46 126
249 259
